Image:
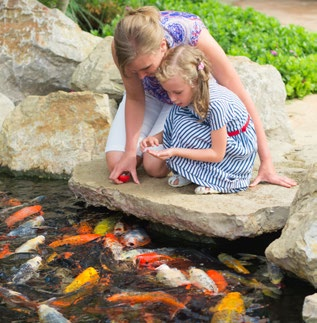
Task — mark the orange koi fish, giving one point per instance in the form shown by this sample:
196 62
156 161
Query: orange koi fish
5 251
151 260
89 276
135 238
218 278
6 201
22 214
76 240
233 263
230 309
84 227
133 298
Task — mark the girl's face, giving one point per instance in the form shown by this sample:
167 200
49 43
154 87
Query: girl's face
179 91
146 65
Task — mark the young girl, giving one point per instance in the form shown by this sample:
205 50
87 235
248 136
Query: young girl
140 41
209 138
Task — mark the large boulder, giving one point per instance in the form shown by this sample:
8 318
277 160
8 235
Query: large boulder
39 49
51 134
6 107
98 73
296 249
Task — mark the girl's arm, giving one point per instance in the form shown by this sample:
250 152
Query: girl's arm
226 75
213 155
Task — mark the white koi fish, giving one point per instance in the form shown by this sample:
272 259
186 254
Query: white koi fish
171 277
49 314
27 228
31 244
27 270
199 278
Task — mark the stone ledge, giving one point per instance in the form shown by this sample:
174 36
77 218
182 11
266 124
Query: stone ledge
259 210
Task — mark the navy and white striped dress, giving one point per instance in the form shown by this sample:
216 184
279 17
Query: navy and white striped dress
183 130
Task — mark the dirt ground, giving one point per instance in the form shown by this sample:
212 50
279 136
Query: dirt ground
298 12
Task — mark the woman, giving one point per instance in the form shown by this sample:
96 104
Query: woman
141 40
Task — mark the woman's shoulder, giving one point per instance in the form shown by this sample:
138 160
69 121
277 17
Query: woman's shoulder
181 27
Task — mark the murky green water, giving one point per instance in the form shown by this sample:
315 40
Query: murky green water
63 213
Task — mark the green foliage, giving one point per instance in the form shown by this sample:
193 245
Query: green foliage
240 32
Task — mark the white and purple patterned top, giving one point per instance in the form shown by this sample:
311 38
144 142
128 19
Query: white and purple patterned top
180 28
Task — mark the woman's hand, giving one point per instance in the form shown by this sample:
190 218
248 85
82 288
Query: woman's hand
127 164
268 174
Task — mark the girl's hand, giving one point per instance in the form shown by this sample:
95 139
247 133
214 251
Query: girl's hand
162 154
149 142
269 175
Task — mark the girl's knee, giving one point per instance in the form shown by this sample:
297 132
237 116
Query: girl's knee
155 167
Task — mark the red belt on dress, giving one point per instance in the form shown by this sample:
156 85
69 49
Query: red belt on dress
243 129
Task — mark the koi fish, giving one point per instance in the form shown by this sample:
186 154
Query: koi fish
218 278
151 260
14 298
31 244
274 272
88 276
106 225
171 277
5 251
7 201
233 263
27 270
135 238
49 314
75 240
229 310
22 214
199 278
84 227
112 242
120 228
273 292
27 228
147 297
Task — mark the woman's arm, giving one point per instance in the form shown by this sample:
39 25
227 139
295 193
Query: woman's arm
134 114
226 75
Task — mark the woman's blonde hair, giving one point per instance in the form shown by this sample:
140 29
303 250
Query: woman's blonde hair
138 33
191 64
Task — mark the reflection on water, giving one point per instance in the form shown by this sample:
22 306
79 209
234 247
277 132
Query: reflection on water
129 287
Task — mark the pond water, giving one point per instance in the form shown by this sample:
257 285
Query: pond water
103 301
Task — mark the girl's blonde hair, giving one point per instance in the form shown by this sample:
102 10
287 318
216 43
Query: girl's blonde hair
191 64
139 33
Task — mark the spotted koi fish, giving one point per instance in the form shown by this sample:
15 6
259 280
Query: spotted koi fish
22 214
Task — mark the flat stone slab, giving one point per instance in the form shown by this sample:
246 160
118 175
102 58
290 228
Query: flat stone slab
258 210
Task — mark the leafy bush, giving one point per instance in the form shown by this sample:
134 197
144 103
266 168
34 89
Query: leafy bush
240 32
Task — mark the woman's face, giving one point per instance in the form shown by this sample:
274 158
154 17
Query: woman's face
146 65
179 91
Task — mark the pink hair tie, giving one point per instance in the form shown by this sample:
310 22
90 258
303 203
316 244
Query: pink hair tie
200 66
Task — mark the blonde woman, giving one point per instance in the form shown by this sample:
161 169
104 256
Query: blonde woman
141 40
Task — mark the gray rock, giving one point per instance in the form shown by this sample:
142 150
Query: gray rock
51 134
259 210
39 49
295 250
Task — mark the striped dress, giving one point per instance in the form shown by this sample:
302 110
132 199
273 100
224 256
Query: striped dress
183 130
